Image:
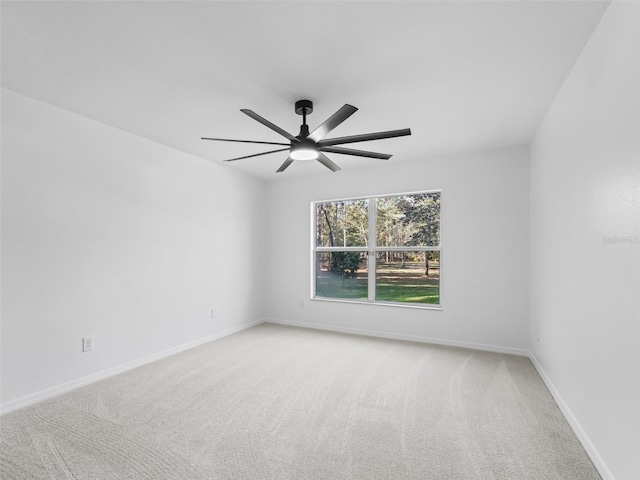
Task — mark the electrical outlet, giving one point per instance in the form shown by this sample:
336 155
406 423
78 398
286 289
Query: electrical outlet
301 304
214 313
87 344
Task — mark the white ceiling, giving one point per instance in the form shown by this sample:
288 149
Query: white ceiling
462 75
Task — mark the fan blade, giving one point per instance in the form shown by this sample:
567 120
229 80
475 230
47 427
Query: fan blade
242 141
284 166
270 125
358 153
322 158
364 137
256 155
332 122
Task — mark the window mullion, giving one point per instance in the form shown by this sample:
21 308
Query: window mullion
371 259
407 249
341 249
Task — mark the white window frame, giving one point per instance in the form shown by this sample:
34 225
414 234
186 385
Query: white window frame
371 251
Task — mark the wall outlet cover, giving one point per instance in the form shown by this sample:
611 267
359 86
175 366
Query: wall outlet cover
87 344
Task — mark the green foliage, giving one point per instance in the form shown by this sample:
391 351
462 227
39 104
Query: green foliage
411 220
346 263
424 213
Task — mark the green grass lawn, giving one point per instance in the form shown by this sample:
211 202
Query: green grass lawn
394 284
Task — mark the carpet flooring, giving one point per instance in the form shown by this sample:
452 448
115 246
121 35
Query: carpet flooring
275 402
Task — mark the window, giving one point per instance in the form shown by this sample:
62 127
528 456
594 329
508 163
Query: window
383 249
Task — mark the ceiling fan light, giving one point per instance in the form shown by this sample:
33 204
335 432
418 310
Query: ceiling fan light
304 153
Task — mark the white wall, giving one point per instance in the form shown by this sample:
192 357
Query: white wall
110 235
484 257
585 244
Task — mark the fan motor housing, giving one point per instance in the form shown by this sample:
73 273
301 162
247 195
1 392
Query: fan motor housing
304 107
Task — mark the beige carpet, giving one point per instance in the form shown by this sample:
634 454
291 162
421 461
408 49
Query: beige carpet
277 402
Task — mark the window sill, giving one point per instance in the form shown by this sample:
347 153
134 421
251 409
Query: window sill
384 304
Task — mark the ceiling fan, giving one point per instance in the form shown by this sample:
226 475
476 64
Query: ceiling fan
311 146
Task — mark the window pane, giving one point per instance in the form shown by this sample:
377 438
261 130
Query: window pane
408 220
410 277
342 275
342 224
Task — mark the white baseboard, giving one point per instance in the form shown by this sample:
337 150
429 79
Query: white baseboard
400 336
591 450
56 390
